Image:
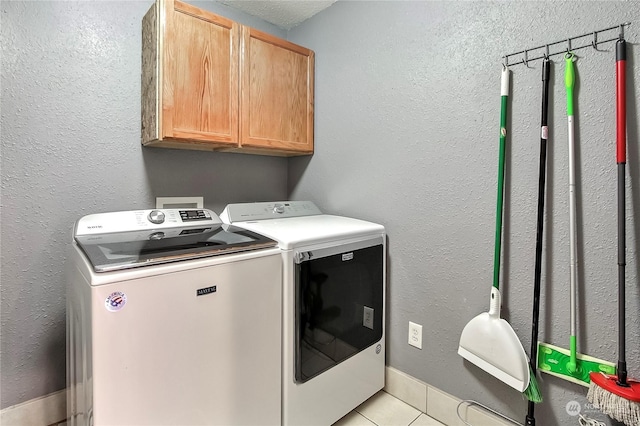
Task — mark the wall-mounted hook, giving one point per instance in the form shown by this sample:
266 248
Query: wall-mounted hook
526 59
581 43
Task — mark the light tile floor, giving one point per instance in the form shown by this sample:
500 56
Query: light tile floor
383 409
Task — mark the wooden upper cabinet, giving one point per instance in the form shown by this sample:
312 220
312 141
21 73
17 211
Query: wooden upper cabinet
209 83
195 92
201 75
276 106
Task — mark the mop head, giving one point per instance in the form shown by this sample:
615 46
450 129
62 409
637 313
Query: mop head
555 360
618 402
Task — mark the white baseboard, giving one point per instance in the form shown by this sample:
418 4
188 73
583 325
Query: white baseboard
51 409
44 411
434 402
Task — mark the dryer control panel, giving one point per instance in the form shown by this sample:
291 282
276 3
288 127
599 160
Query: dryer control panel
244 212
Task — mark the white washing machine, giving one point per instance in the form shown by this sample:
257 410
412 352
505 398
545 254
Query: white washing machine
173 318
333 307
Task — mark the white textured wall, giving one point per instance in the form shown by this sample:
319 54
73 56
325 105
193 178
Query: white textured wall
70 147
407 116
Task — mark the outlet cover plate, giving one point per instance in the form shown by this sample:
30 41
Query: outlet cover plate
415 335
367 317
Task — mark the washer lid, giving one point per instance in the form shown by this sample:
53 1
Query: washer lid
122 240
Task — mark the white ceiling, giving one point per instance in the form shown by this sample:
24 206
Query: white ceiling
285 14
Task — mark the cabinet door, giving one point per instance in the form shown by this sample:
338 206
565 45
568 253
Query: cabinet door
276 106
200 81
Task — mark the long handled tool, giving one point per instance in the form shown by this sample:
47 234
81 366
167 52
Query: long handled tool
488 341
542 175
572 365
618 396
554 360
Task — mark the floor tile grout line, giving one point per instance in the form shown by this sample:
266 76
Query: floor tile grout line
409 424
367 418
414 420
409 405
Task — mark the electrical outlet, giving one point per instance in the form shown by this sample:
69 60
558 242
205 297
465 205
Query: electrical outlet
415 335
367 317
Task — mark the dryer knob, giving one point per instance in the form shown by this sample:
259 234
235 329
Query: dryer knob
156 216
278 208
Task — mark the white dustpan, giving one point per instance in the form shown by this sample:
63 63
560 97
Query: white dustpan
489 342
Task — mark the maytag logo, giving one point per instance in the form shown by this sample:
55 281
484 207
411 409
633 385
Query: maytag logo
205 291
94 226
347 256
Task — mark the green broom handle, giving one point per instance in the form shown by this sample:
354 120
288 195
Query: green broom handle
569 81
504 93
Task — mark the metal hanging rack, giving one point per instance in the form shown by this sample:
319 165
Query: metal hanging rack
526 60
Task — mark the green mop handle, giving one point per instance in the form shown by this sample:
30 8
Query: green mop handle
504 94
569 81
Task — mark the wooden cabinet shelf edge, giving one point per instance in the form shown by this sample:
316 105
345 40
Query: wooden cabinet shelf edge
209 83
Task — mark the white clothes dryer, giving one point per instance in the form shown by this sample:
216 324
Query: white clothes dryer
334 271
173 318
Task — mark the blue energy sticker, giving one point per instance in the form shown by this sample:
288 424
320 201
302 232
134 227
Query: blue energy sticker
115 301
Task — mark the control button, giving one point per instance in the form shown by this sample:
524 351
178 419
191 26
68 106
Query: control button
278 208
156 236
156 216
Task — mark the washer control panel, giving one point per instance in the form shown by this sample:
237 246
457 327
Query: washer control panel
137 220
261 211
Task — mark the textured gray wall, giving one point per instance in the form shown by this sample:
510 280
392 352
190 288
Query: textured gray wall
70 147
406 135
407 116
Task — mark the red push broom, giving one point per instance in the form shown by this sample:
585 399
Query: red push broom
619 396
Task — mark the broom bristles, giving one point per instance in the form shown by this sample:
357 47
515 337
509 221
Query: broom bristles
532 392
615 406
